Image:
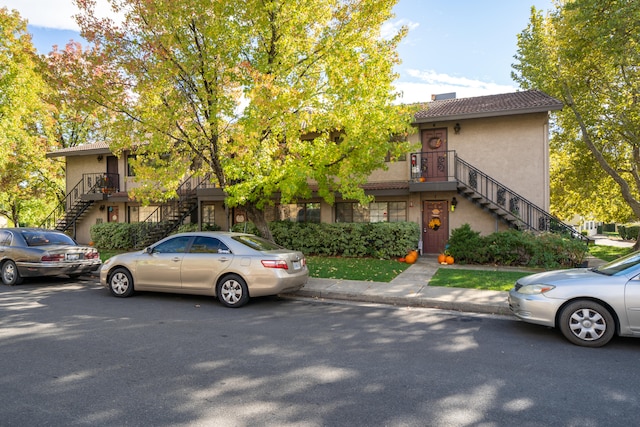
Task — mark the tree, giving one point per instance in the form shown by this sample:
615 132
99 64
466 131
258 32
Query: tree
25 174
77 120
265 95
586 53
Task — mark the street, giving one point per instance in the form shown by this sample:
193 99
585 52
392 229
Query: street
74 355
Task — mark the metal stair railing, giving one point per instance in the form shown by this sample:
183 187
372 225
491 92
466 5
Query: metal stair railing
169 216
506 203
68 211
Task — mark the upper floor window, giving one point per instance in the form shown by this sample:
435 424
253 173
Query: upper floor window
130 171
402 157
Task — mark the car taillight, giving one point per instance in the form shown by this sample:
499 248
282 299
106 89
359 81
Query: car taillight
52 257
272 263
91 255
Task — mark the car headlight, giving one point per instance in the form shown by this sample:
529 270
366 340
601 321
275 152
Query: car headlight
535 289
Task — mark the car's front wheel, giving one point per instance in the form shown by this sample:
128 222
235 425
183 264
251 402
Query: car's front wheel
10 274
121 283
587 323
232 291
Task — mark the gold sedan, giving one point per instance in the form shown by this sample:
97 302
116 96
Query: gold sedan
231 266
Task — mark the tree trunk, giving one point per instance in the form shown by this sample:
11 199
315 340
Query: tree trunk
636 245
256 216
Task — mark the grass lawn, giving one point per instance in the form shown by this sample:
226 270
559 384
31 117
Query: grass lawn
368 269
380 270
476 279
608 253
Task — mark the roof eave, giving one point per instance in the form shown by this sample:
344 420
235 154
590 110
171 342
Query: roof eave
486 114
93 151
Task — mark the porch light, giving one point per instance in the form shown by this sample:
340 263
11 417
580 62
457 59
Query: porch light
454 203
456 128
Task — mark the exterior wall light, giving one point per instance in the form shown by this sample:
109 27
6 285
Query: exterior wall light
454 203
456 128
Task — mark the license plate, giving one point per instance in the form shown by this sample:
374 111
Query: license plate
296 265
72 257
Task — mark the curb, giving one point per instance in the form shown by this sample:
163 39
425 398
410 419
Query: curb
465 306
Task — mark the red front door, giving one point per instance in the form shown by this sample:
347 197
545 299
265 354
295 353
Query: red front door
434 154
435 226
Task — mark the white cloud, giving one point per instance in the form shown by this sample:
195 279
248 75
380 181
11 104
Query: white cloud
390 28
56 14
431 83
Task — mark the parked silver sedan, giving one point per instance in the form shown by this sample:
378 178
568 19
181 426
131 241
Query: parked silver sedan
231 266
589 306
34 252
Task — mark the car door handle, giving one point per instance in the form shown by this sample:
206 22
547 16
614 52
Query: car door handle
175 259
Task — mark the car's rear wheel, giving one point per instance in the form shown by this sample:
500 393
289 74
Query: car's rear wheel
10 274
121 283
232 291
587 323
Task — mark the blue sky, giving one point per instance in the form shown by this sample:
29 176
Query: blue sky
462 46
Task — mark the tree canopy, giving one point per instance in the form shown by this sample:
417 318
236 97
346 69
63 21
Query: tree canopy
26 176
267 96
586 53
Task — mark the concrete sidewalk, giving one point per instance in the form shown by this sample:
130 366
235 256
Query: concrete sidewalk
411 287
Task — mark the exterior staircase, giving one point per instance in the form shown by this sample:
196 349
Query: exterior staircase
446 171
169 216
71 210
506 204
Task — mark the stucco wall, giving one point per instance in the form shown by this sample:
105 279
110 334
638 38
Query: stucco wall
511 149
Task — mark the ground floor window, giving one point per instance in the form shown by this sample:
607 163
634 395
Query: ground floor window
208 214
374 212
133 213
294 212
141 213
300 212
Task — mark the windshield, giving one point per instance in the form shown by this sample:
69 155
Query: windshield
41 238
257 243
620 264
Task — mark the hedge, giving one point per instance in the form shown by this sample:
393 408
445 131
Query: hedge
515 248
629 232
380 240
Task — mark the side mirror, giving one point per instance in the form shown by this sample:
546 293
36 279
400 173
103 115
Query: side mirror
148 250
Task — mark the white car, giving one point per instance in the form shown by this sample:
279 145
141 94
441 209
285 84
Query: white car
588 305
231 266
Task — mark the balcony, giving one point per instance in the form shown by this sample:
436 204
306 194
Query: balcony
98 186
433 171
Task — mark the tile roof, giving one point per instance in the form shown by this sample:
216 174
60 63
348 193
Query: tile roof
530 101
80 150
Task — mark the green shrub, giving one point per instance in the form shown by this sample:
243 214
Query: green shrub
515 248
465 245
629 231
379 240
114 235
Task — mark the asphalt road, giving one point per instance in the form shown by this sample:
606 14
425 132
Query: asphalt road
71 354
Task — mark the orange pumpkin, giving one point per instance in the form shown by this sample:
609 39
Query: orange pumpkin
415 253
449 259
401 259
411 258
442 259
